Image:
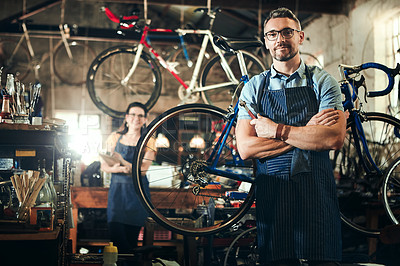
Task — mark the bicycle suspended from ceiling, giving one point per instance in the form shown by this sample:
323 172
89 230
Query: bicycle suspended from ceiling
70 58
129 73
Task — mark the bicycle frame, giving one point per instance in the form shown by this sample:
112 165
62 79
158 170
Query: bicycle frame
192 85
231 119
356 114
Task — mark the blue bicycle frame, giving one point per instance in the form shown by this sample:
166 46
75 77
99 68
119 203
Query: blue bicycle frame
217 150
350 98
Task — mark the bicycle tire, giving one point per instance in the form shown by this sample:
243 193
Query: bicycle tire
106 73
20 65
253 248
72 71
174 205
213 73
391 192
358 191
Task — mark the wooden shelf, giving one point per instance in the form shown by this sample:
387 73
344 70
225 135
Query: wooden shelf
51 235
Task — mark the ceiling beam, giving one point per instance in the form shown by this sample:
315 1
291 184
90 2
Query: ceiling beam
305 6
31 11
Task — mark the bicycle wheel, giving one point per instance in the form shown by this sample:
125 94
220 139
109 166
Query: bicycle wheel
72 70
391 192
185 198
14 62
243 249
214 74
359 192
183 66
104 80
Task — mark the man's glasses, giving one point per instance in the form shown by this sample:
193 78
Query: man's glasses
135 115
286 33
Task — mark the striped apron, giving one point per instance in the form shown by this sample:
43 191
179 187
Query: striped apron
124 205
297 209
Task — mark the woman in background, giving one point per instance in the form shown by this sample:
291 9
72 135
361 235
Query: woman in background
125 213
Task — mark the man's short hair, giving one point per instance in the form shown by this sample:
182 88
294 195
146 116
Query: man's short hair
282 12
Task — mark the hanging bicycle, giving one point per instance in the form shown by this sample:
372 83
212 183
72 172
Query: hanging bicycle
127 73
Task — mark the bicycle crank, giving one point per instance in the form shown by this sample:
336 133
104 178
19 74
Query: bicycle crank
187 97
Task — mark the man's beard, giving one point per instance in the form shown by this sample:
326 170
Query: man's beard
285 58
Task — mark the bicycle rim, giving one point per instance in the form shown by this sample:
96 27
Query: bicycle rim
172 177
359 192
391 192
213 73
72 70
108 70
247 240
19 64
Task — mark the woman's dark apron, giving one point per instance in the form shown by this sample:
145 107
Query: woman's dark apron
123 204
297 208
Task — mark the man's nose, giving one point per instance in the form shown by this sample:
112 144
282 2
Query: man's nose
280 38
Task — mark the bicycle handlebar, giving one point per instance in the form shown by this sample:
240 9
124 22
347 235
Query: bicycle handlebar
346 71
125 22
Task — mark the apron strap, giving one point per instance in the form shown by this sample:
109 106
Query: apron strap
260 93
262 89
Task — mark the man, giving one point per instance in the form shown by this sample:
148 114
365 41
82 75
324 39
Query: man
299 119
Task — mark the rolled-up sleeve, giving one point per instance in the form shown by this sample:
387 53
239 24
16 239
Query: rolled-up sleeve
249 96
330 96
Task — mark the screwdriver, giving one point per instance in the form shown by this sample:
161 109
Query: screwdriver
243 104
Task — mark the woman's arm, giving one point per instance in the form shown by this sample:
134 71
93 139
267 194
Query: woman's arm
111 142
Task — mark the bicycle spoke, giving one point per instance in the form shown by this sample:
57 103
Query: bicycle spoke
358 182
109 71
181 182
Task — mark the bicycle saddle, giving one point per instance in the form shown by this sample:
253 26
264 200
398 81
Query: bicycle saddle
230 44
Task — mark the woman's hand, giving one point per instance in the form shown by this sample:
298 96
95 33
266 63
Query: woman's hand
118 156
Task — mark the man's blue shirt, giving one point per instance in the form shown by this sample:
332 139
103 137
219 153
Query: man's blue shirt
326 88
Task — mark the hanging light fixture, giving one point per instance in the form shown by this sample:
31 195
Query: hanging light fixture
162 141
197 142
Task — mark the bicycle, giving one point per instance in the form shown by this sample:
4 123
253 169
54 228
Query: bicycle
129 72
20 59
372 144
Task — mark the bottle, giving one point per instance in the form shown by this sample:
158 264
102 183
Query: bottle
45 197
110 255
5 115
50 181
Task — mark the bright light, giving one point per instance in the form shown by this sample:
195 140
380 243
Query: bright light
162 141
197 142
84 135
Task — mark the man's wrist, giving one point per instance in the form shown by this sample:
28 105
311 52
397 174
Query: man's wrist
282 132
278 133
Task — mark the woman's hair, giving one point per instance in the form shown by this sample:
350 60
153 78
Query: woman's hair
282 12
123 129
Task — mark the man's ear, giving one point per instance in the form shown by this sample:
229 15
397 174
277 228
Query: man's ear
301 33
